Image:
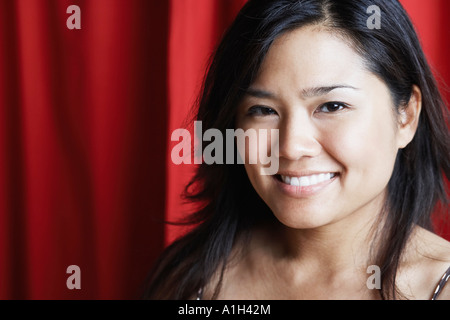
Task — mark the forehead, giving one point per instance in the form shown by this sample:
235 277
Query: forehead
311 55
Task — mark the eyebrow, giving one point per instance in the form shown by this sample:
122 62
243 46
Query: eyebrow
320 91
258 93
306 93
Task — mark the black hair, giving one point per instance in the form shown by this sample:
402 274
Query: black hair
228 204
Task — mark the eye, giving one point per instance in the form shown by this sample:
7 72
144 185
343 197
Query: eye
261 111
330 107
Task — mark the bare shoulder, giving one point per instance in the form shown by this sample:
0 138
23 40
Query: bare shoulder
431 246
428 259
439 249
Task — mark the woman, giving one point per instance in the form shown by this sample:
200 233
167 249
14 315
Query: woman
363 149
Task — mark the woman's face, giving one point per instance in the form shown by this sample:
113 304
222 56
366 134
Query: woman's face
338 132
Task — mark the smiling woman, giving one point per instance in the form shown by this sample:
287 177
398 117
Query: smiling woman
363 150
347 134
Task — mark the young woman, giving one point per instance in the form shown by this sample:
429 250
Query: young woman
363 152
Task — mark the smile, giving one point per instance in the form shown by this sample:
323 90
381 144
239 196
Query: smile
304 184
306 181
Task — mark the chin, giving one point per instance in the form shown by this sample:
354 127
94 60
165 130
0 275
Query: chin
303 219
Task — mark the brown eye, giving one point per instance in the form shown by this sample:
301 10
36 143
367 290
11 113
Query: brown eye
261 111
330 107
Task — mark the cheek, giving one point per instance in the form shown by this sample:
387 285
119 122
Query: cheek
366 149
257 144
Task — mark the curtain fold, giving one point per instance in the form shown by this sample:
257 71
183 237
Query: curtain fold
86 117
83 116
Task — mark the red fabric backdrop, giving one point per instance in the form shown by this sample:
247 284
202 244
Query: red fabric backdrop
85 123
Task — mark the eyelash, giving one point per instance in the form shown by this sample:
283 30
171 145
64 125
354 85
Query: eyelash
340 106
261 111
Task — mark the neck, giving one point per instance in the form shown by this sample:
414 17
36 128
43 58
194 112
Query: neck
344 245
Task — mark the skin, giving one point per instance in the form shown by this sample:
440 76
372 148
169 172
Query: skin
319 246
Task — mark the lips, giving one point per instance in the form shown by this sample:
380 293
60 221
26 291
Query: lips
306 180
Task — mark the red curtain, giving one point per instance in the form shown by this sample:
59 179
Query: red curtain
85 122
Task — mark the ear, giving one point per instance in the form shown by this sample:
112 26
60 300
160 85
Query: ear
408 118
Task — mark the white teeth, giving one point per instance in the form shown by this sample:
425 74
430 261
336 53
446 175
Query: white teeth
288 180
306 181
294 182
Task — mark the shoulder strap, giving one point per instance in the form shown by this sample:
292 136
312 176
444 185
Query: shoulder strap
441 284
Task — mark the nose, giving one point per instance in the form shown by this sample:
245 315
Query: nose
298 138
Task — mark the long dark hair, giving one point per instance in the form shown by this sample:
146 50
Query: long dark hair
228 204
